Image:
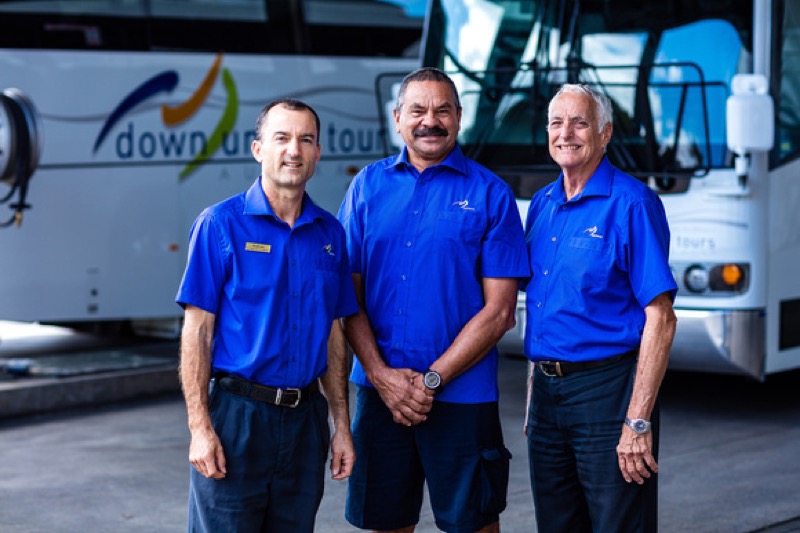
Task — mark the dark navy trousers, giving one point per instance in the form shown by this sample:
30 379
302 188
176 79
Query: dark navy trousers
275 467
574 425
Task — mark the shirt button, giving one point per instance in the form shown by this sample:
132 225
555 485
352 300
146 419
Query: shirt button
539 304
553 239
408 244
545 272
416 211
294 262
399 311
403 277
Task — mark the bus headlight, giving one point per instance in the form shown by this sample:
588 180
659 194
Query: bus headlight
696 278
717 279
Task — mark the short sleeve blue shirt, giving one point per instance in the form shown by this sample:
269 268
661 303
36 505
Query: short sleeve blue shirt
597 261
422 244
275 290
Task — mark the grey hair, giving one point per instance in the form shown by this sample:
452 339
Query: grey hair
605 113
425 74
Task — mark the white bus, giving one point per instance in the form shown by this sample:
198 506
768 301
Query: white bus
120 120
707 111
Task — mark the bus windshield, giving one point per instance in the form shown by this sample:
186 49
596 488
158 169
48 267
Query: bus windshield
666 74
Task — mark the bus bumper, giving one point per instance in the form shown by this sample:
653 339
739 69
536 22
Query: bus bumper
725 342
721 342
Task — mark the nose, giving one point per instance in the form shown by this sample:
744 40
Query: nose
293 147
430 118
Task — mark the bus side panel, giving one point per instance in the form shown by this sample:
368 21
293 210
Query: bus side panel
135 145
783 311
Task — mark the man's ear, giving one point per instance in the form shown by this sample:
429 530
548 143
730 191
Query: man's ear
255 149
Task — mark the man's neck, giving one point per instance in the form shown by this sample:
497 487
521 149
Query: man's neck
287 204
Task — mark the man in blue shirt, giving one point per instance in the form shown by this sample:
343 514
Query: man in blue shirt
599 329
436 247
266 278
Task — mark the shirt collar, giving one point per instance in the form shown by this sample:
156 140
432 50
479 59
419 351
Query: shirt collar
599 184
455 160
255 203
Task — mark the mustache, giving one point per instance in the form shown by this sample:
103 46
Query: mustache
427 132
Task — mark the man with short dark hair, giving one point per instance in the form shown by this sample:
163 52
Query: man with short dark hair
266 278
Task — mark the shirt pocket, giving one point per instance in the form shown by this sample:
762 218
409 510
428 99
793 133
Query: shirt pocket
588 262
459 228
326 279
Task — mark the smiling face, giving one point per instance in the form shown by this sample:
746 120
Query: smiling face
287 148
428 120
573 137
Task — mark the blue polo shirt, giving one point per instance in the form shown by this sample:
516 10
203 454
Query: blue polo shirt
275 290
597 261
422 244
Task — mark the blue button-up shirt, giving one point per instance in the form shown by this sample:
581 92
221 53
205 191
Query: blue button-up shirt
597 261
422 244
275 290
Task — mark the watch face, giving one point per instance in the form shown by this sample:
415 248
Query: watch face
432 379
638 425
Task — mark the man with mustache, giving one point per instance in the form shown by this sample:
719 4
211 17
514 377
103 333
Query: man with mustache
436 249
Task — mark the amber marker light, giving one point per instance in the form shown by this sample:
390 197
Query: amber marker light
731 274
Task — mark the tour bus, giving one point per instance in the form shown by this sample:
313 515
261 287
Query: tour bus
120 120
706 102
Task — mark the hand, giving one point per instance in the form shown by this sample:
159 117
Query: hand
635 455
343 454
206 455
402 391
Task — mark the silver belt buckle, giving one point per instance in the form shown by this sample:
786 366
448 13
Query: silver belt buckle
279 397
555 364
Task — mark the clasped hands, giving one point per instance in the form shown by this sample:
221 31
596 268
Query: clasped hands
406 396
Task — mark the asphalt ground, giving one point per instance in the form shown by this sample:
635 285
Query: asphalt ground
118 462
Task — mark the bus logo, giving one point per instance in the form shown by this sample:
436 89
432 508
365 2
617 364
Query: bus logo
172 116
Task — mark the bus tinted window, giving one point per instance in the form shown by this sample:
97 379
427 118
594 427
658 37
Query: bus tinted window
362 27
366 28
789 97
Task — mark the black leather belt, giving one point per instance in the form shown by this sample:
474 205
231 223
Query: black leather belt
288 397
562 368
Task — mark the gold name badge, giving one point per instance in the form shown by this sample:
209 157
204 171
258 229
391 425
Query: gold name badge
257 247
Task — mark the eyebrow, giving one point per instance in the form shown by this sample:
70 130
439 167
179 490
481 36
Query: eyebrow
446 105
302 135
576 117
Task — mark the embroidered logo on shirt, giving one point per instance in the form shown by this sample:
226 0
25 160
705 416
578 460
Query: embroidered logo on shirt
464 204
328 249
257 247
592 232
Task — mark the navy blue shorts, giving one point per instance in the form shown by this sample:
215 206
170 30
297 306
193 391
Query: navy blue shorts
275 458
459 451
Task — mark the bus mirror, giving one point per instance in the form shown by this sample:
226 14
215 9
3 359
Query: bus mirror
750 115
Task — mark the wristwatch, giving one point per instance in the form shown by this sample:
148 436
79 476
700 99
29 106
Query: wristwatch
433 380
639 425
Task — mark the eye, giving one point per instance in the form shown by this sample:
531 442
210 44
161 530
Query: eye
554 125
582 125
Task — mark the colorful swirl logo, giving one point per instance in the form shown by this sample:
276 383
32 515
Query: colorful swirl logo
172 116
